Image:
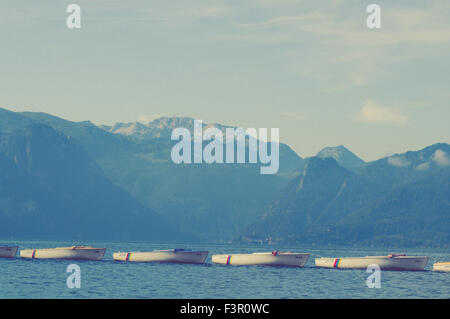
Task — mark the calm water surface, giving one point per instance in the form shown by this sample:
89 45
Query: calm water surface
20 278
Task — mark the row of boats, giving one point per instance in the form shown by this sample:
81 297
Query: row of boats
275 258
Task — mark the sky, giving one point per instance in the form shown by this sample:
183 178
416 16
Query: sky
313 69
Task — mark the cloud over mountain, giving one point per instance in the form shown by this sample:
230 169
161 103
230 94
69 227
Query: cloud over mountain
372 112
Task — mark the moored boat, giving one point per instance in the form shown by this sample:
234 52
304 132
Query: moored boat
8 251
165 256
275 258
74 252
390 262
442 266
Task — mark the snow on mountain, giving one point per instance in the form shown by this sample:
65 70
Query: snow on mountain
158 128
342 155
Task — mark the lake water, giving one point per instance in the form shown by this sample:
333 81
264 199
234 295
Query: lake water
20 278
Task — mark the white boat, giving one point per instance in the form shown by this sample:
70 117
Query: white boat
8 251
442 266
74 252
390 262
166 256
275 258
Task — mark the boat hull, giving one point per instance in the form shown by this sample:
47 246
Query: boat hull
263 259
64 253
442 267
384 262
187 257
8 251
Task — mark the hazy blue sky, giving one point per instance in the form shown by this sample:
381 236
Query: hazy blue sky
311 68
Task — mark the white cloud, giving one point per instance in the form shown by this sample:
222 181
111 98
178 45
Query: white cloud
371 112
204 12
277 3
398 161
344 47
423 166
441 158
412 26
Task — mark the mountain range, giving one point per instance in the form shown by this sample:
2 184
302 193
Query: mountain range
50 187
400 200
77 180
